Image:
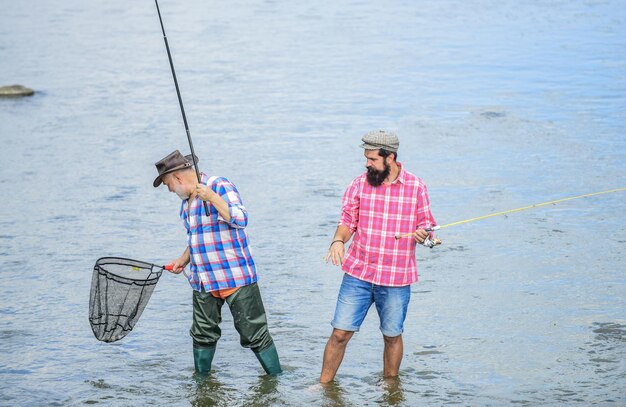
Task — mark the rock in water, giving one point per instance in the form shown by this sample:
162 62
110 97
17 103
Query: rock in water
15 91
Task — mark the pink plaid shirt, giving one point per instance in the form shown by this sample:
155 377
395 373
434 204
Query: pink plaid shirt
376 215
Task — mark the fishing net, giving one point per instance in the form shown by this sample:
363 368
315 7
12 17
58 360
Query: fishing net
120 290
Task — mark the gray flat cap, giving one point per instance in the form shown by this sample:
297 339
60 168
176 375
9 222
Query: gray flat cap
378 139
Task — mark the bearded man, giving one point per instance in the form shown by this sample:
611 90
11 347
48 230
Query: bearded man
221 263
385 201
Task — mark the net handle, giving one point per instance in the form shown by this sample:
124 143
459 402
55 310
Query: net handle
170 267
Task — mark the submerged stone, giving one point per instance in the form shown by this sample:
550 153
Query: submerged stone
15 91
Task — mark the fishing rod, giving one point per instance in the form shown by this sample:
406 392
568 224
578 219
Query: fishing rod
435 241
180 102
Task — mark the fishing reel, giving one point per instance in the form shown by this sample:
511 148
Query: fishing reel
430 243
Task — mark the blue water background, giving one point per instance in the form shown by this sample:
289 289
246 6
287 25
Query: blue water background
498 105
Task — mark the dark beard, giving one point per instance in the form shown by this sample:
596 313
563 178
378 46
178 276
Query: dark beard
376 178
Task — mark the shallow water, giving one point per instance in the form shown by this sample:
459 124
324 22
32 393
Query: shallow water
498 105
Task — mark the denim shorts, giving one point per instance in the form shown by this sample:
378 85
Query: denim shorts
356 297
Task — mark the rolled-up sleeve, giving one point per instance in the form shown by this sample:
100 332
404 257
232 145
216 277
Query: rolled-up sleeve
424 217
350 206
238 212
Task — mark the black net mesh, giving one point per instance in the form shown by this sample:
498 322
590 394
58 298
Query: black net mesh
120 290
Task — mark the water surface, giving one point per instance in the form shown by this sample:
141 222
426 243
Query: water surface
497 104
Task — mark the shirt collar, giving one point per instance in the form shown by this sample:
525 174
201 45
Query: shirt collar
401 175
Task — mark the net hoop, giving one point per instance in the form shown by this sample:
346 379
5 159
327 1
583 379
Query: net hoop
120 290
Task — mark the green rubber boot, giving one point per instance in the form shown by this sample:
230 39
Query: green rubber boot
202 358
269 360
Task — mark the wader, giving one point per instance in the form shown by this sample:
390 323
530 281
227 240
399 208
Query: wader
250 321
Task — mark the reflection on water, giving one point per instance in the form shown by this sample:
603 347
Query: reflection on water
334 395
263 393
209 390
393 395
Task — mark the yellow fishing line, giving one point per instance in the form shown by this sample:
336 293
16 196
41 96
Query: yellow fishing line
531 206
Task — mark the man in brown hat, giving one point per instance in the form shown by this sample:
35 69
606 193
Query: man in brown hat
220 261
384 202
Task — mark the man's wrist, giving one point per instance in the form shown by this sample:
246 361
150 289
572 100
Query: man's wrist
335 241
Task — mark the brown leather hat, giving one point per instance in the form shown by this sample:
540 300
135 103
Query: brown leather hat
174 161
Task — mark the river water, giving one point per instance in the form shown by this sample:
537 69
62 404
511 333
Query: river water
498 105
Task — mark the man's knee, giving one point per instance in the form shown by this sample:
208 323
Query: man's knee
392 340
340 337
249 318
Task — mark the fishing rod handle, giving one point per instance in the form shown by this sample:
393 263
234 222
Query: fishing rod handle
430 229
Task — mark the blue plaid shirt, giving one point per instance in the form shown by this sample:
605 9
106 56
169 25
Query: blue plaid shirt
219 251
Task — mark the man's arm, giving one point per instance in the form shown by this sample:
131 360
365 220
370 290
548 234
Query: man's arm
337 247
180 263
207 194
226 201
425 219
348 224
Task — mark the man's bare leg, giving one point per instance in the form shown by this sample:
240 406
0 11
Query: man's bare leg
392 356
333 354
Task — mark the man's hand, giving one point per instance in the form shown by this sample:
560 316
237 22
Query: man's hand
336 253
208 195
204 192
420 235
177 266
